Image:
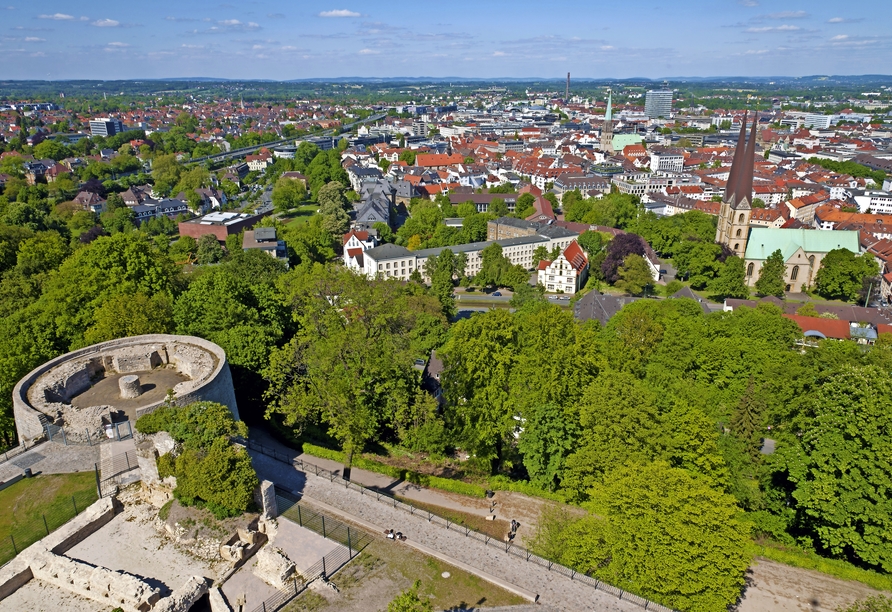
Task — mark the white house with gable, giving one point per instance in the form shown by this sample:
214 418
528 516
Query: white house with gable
567 273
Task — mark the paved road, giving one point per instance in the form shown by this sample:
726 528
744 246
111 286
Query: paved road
553 589
52 458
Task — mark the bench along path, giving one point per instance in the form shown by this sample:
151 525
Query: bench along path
553 589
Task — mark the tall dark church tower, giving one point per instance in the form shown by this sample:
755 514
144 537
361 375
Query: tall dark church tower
734 217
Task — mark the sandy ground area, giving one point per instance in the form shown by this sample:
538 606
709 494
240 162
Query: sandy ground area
780 588
131 543
38 596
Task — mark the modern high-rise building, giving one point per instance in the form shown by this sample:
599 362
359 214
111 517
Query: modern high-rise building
105 126
658 103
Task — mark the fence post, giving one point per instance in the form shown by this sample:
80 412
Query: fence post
74 503
300 521
98 484
14 547
349 544
127 459
323 527
45 526
264 606
323 568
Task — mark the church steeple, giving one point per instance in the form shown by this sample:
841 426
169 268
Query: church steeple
607 129
737 161
734 215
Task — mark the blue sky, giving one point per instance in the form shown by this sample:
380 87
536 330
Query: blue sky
51 39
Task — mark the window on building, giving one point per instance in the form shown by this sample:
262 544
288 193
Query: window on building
738 233
794 274
737 246
740 218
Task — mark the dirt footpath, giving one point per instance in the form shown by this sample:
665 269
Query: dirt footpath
776 587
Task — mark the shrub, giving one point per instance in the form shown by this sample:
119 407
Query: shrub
221 478
194 426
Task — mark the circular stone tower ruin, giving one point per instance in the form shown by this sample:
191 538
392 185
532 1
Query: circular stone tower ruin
88 389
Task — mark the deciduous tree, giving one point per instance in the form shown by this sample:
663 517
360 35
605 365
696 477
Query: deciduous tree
771 276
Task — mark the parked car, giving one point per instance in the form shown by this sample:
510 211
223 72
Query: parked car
497 294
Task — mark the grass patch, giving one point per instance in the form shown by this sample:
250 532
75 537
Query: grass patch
28 503
425 480
300 215
308 601
164 512
495 529
833 567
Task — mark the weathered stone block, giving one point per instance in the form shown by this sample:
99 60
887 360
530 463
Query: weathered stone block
274 567
182 599
268 495
248 536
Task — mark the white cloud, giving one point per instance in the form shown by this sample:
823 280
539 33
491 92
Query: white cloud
339 13
749 2
106 23
840 37
34 39
368 52
783 28
499 54
119 45
230 22
607 47
788 15
755 52
185 46
845 20
57 17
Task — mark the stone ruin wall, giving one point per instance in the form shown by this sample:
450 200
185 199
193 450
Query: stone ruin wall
45 560
49 389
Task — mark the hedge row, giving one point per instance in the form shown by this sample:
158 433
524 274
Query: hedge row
503 483
433 482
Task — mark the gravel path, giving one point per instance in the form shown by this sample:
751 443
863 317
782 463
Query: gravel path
553 589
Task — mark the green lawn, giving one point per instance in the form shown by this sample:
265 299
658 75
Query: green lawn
301 214
24 505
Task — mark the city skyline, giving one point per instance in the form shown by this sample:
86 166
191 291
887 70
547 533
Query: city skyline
266 40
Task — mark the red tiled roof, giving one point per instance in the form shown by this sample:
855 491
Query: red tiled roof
830 328
575 256
361 235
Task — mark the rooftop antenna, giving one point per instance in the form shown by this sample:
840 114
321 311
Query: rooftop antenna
567 91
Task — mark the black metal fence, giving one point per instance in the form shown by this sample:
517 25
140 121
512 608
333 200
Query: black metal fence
24 533
15 451
507 547
355 540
